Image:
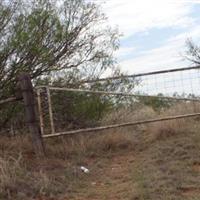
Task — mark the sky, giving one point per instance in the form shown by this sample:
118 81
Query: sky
154 32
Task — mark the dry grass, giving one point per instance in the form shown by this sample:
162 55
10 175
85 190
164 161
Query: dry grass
154 161
169 150
9 171
166 153
165 129
24 177
166 165
140 112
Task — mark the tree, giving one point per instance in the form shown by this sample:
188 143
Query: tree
56 42
45 38
193 52
157 102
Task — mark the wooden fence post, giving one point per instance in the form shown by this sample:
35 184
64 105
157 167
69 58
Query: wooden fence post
26 87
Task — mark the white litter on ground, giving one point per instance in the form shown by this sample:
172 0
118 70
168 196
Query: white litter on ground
84 169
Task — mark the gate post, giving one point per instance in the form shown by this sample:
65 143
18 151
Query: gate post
26 87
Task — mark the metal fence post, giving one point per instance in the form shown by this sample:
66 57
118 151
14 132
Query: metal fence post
40 111
50 111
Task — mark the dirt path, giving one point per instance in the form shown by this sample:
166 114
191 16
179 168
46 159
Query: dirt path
111 180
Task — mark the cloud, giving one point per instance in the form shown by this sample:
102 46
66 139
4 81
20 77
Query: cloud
133 16
140 17
169 55
155 59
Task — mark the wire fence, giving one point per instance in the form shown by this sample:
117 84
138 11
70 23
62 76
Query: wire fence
157 96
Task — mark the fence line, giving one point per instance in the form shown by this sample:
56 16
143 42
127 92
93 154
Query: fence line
140 74
25 92
87 130
27 95
118 93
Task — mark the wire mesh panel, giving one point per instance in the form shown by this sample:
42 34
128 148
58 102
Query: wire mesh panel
180 83
157 96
